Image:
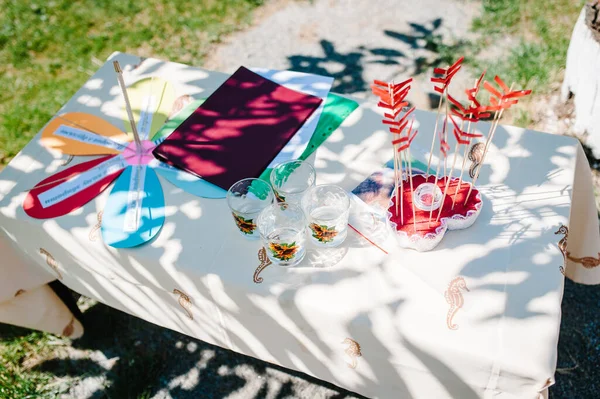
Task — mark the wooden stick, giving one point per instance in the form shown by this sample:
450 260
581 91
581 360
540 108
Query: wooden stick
486 148
396 177
411 189
447 182
401 190
433 194
462 169
437 119
445 133
495 122
51 182
136 135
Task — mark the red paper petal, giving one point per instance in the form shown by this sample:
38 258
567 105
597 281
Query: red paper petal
439 80
456 103
33 207
402 84
400 140
502 85
381 83
451 75
457 64
518 93
488 86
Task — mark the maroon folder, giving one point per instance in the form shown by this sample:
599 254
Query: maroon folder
238 130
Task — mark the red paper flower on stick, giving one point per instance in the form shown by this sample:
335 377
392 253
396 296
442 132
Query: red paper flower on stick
392 99
446 75
505 97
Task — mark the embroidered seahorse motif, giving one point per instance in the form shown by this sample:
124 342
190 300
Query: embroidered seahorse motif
93 236
353 350
67 161
185 302
562 245
475 156
455 299
142 59
69 328
264 262
180 103
50 261
588 262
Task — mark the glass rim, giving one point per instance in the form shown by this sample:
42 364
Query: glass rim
285 206
230 194
290 162
346 195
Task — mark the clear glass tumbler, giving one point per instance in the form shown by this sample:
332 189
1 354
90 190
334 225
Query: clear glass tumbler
246 199
282 229
327 208
291 180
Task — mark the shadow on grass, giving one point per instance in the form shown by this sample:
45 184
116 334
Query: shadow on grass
155 362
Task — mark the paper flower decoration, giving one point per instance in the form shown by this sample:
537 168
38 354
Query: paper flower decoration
429 232
134 212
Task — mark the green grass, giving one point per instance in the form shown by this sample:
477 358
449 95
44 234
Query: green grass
543 29
19 350
50 48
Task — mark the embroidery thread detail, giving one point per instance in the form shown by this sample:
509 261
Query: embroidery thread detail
50 261
279 197
264 262
67 161
69 328
93 236
19 292
588 262
185 302
353 351
455 299
562 246
475 156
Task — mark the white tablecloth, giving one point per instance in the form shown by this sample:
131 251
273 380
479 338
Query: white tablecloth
196 277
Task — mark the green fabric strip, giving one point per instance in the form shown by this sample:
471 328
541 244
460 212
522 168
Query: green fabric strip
336 110
173 123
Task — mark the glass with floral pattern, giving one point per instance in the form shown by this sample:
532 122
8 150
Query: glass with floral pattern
327 208
291 180
246 199
282 228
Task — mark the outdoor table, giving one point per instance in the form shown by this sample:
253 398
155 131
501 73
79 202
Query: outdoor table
390 325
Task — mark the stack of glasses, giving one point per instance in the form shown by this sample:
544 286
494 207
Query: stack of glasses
282 214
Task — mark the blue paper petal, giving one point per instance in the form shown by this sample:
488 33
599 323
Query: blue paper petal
191 184
152 212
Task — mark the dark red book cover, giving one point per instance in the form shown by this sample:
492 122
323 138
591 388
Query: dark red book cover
238 130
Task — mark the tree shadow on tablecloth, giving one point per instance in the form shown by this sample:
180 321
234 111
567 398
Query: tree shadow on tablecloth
427 49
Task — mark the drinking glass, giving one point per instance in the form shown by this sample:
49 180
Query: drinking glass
246 199
291 180
327 208
282 228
